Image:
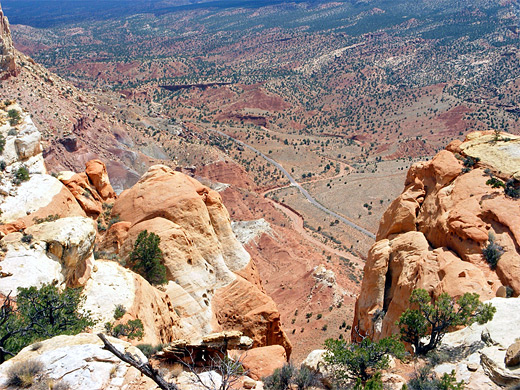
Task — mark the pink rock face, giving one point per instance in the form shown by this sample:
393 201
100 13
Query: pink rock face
432 237
85 194
97 173
200 252
7 54
261 362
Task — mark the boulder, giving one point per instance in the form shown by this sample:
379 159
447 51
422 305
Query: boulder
27 265
86 194
81 363
261 362
243 306
97 173
513 354
28 143
71 241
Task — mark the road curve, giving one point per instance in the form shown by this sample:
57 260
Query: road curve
300 188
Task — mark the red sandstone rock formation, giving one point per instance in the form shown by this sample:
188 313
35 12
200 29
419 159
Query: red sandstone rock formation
202 255
433 234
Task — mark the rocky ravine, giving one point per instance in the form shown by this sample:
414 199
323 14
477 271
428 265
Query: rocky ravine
213 285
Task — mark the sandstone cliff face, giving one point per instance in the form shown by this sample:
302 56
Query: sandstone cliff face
7 55
201 253
49 227
432 236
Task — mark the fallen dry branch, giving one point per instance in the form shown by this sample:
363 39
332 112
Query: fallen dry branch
134 361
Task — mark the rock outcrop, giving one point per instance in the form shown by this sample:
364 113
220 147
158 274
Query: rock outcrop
433 235
37 195
481 350
51 226
80 362
201 254
7 55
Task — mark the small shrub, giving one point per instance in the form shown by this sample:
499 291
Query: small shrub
48 218
14 117
12 132
492 252
304 378
119 312
511 189
360 360
61 385
469 162
21 174
3 165
426 380
149 350
2 144
281 378
27 238
115 219
494 182
24 374
133 329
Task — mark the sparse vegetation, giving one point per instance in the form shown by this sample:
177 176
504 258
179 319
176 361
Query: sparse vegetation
2 144
49 218
40 313
511 188
132 329
425 326
27 238
14 117
149 350
21 175
492 252
119 312
146 258
288 376
424 379
353 361
24 374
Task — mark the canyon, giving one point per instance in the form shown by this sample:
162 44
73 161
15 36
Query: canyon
274 237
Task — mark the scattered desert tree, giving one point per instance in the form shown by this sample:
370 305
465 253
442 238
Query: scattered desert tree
352 361
431 321
146 258
40 313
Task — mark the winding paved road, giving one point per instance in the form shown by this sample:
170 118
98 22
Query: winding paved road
300 188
